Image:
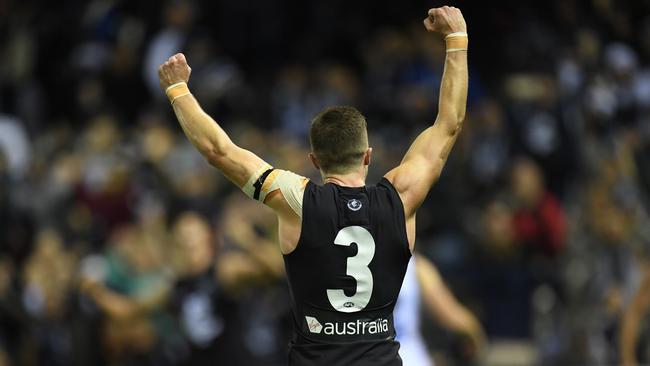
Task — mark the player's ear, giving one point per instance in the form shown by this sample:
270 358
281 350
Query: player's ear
367 156
314 161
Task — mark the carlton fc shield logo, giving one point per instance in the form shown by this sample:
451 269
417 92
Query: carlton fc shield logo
354 204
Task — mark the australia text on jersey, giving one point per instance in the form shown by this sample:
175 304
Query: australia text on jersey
379 325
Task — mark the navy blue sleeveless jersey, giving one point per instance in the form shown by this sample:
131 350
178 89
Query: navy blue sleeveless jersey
345 275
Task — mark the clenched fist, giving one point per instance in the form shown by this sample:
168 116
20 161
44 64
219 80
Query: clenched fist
173 71
445 20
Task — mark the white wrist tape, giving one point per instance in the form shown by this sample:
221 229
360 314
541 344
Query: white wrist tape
456 34
176 91
456 41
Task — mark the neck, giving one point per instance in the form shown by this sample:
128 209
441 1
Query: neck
354 179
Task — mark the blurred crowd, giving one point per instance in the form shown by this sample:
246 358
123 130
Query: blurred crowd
119 245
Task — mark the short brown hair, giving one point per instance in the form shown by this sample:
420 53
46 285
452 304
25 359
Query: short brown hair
338 138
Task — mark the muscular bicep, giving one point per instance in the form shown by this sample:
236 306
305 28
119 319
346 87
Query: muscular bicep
422 165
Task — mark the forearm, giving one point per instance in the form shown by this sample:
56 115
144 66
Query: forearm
459 320
116 306
444 307
438 299
213 142
434 144
201 130
237 164
452 101
631 318
260 249
628 337
265 253
452 315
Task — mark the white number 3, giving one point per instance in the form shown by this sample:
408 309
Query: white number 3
357 267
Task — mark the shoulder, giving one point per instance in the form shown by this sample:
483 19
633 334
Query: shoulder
286 189
385 183
386 188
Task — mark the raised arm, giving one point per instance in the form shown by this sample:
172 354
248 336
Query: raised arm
279 189
421 166
237 164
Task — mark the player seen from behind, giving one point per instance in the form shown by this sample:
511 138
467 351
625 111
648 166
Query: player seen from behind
346 245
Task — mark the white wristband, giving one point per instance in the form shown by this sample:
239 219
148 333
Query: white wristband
176 91
174 85
456 34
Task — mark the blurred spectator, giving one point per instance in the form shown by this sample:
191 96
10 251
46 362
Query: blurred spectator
490 151
177 21
48 276
197 296
503 280
15 147
250 268
132 295
539 221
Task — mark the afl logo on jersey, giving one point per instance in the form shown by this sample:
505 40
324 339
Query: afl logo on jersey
354 204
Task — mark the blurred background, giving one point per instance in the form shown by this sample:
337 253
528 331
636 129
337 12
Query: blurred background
119 245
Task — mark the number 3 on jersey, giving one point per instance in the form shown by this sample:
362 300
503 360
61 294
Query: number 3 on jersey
357 267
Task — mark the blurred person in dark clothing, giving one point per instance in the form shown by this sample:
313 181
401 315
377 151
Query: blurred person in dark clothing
293 101
251 272
17 230
639 142
502 278
537 128
196 297
618 253
539 227
14 319
177 17
47 277
489 148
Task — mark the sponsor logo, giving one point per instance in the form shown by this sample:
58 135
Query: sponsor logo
314 325
354 204
357 327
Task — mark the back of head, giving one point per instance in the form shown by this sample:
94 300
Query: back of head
339 139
